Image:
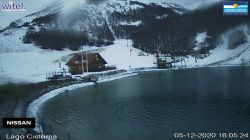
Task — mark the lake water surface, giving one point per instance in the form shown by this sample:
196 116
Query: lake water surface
154 106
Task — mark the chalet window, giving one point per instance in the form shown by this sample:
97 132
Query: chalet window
76 62
96 57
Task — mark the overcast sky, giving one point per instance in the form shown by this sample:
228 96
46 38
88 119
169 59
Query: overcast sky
36 5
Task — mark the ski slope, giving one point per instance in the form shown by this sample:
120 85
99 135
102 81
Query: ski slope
21 62
222 56
32 65
29 66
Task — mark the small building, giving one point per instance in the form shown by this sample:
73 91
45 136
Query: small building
164 62
86 62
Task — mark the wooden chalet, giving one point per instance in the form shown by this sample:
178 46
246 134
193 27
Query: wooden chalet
86 62
164 62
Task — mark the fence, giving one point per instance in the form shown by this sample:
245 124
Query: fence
57 75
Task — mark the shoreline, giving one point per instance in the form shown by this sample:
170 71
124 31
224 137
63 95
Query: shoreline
42 91
34 107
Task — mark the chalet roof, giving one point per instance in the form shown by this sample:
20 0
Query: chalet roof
79 57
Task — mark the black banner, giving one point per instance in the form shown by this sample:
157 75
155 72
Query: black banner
18 122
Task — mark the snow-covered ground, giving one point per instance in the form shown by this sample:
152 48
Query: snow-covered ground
29 66
244 57
33 108
32 65
123 55
222 56
135 23
21 62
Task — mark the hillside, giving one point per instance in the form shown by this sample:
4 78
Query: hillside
97 23
177 35
125 33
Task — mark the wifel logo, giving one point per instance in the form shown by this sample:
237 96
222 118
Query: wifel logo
11 6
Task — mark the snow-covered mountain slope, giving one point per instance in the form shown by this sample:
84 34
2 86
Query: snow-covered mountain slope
29 66
33 6
123 55
95 24
87 24
190 4
32 66
104 26
177 35
11 41
223 54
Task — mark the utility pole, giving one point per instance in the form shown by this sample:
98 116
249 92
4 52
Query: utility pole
130 51
82 61
1 64
87 62
60 63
